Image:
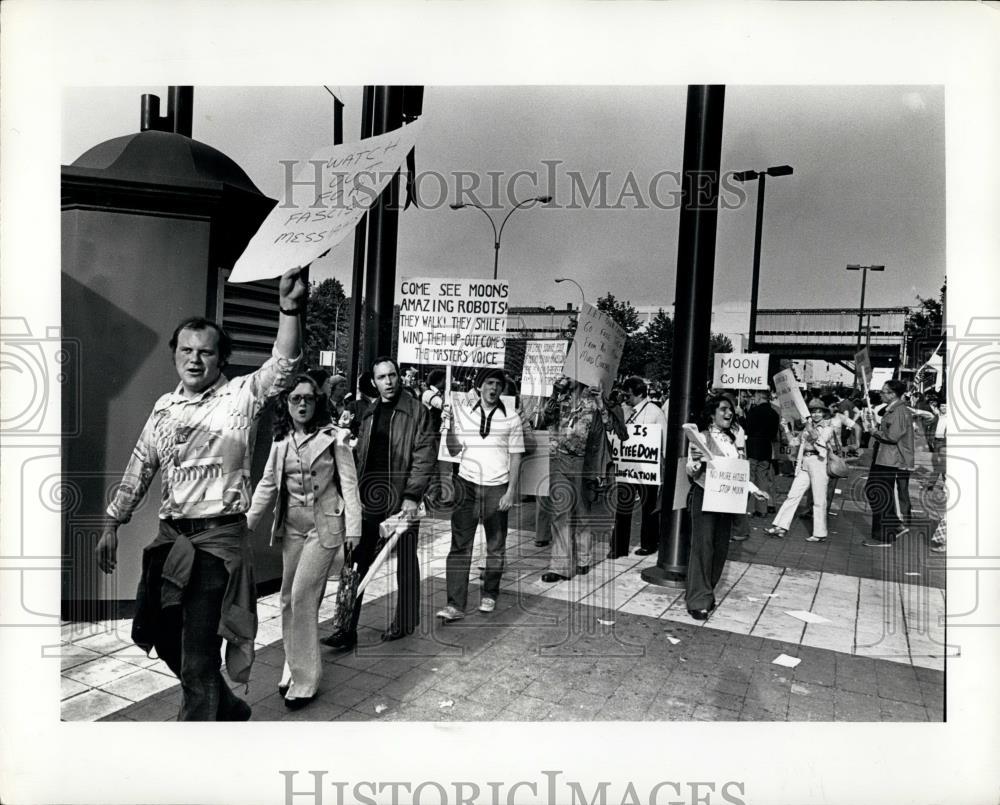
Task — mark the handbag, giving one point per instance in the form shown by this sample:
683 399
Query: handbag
347 592
836 467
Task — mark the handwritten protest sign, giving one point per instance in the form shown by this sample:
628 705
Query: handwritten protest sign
739 370
863 365
726 488
637 460
596 350
461 322
543 365
323 203
793 407
466 419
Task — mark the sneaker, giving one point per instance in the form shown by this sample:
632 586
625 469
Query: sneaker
815 539
938 548
878 544
450 613
487 604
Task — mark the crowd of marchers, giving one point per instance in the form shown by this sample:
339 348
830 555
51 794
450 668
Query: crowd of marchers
343 464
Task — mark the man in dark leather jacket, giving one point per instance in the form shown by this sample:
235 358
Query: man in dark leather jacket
396 453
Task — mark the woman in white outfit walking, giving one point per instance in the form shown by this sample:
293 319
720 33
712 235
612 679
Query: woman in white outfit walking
810 471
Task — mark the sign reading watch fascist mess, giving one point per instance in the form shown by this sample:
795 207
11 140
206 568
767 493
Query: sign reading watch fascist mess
461 322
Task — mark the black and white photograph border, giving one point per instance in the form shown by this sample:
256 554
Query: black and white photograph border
938 56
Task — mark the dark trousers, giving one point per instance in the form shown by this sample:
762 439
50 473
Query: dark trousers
472 504
710 532
633 495
880 493
188 641
407 572
903 493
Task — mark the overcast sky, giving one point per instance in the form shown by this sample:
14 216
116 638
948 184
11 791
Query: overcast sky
868 185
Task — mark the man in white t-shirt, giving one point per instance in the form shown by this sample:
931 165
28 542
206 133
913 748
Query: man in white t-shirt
485 490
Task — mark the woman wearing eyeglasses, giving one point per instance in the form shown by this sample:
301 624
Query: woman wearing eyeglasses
311 479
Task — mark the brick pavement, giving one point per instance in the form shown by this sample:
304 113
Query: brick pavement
603 647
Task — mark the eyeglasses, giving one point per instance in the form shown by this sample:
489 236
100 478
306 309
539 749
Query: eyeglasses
295 399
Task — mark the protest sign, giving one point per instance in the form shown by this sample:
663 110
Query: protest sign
460 322
596 350
466 419
793 407
863 366
637 460
740 370
543 365
534 479
726 488
323 203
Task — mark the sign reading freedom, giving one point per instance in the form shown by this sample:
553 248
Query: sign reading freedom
325 201
637 461
462 322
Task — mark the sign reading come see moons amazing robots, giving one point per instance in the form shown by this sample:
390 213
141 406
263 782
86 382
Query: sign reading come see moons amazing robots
458 322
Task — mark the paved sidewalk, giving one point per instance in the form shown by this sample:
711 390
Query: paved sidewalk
604 645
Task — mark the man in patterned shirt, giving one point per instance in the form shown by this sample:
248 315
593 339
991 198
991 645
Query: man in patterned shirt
569 415
197 577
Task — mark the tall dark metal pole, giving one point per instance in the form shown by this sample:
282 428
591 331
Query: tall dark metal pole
383 227
356 359
752 340
693 320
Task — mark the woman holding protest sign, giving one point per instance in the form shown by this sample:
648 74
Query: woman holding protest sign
710 530
810 471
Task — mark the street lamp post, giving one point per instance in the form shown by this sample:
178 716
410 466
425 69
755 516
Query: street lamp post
761 177
864 281
583 296
497 234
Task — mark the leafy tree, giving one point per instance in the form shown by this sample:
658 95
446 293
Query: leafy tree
660 336
328 321
924 328
718 343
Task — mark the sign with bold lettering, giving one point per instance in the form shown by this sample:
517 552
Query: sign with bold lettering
637 460
740 370
596 350
323 203
462 322
793 407
543 366
726 485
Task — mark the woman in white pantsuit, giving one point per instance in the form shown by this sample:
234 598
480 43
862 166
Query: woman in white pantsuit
810 471
311 479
